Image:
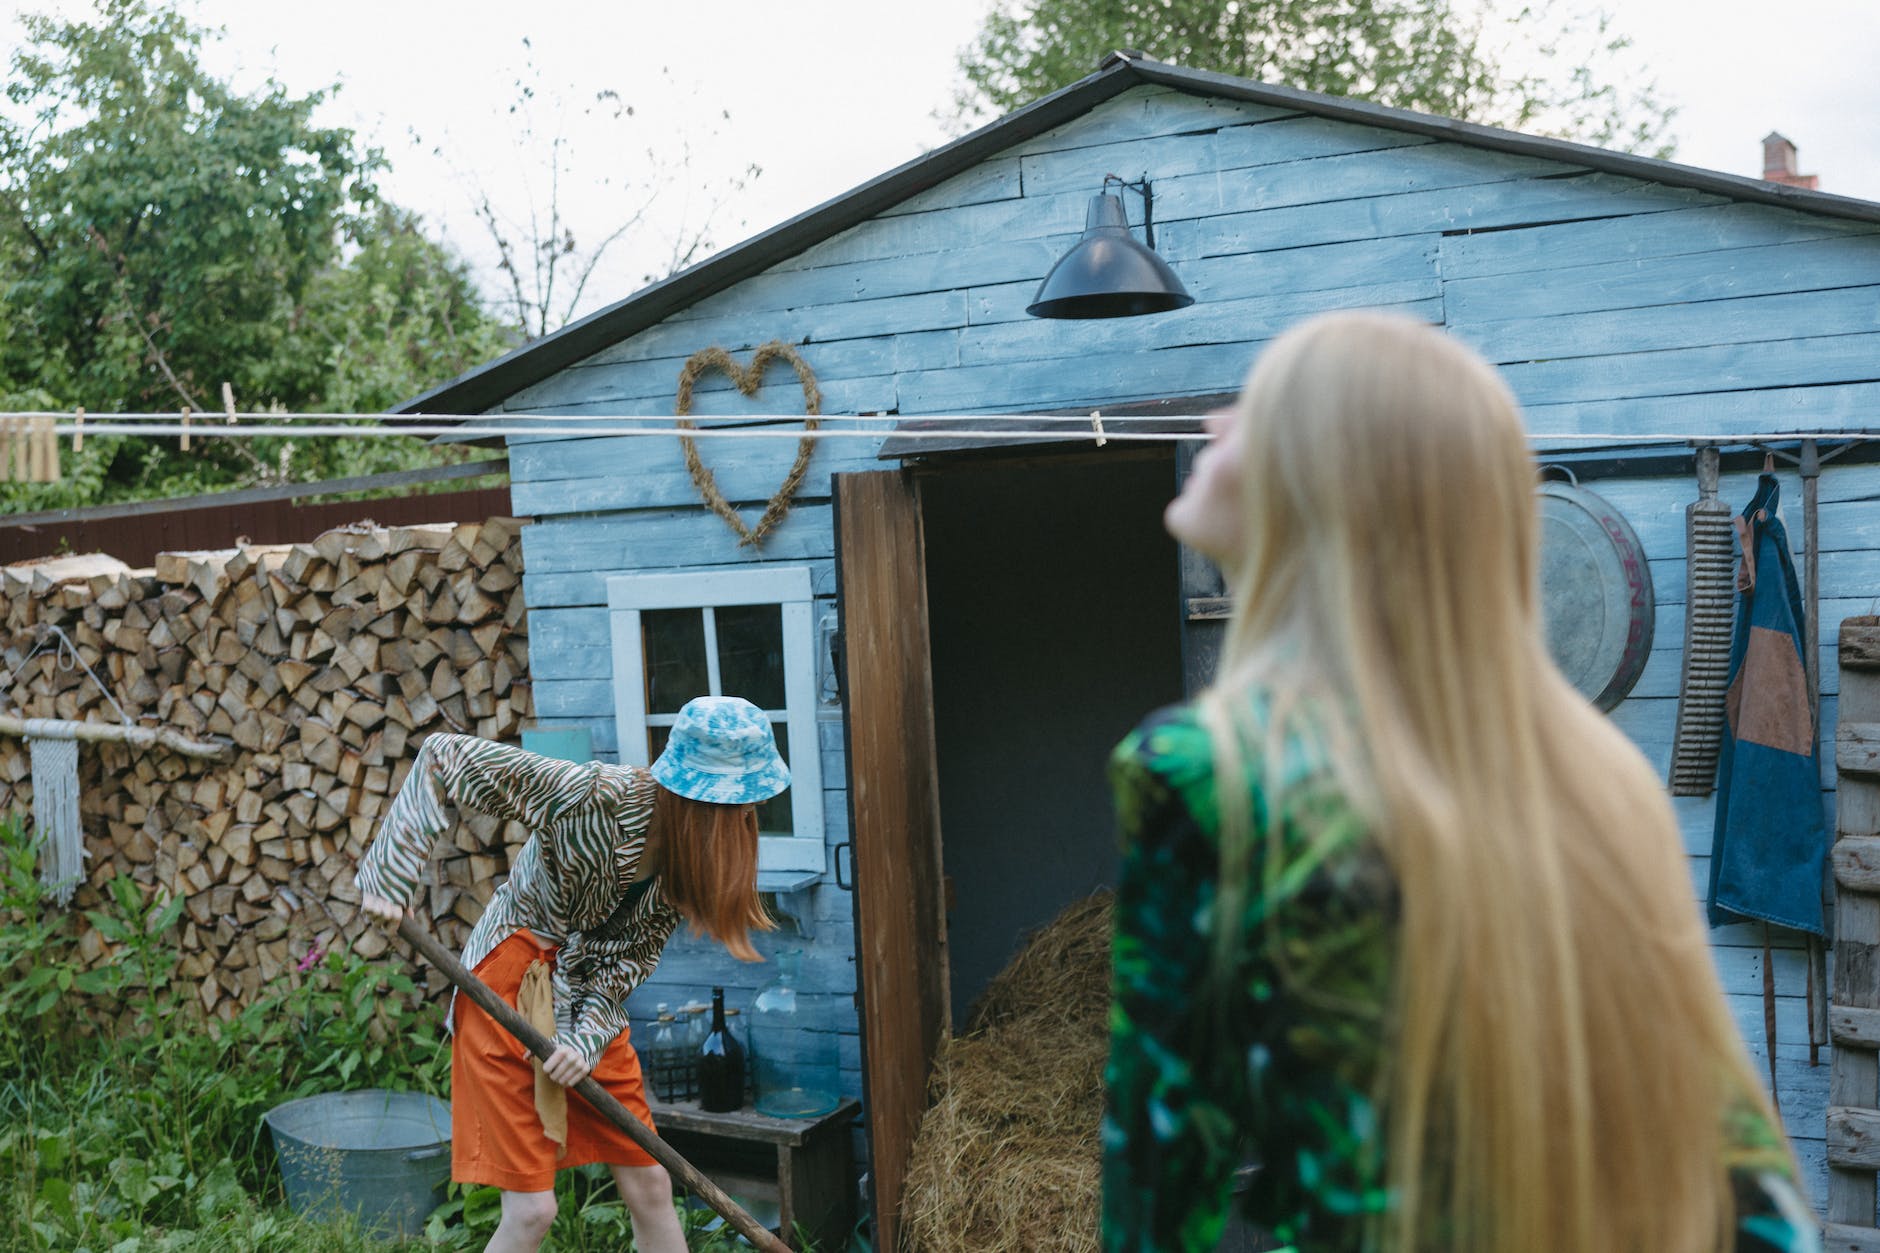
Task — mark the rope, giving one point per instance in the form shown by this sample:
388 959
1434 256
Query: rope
993 428
68 657
543 427
990 427
748 379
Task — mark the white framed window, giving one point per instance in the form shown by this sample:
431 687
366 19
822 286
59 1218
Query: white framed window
739 632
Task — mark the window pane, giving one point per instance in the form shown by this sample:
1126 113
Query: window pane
773 816
750 653
674 640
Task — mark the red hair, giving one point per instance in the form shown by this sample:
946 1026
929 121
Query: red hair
707 858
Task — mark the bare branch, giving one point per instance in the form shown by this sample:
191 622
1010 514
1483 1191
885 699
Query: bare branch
551 247
507 261
561 265
594 261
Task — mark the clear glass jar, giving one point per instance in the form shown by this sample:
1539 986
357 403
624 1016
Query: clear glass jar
668 1064
793 1044
691 1030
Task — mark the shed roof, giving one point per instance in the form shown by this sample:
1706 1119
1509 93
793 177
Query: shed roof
477 390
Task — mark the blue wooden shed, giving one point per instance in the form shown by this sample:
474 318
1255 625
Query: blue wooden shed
951 630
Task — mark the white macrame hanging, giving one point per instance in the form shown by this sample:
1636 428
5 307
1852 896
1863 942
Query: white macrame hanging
53 746
55 815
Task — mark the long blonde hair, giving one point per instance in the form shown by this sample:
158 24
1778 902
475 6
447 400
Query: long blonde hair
1559 1053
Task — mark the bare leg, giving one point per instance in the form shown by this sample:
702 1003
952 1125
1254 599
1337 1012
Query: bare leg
527 1217
647 1191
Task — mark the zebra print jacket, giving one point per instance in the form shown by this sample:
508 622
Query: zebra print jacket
569 884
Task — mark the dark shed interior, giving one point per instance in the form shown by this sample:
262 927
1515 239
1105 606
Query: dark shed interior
1052 602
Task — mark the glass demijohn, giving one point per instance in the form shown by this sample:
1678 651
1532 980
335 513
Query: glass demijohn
793 1049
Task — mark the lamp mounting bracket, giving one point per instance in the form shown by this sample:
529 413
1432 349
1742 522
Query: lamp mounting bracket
1141 188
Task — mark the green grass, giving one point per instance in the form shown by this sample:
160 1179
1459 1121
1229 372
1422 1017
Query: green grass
142 1132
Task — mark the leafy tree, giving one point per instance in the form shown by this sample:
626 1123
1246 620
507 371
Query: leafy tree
400 315
1543 68
162 233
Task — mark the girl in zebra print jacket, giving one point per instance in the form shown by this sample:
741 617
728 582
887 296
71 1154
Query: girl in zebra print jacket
617 855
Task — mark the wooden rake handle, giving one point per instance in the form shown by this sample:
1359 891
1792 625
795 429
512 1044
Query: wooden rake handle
685 1172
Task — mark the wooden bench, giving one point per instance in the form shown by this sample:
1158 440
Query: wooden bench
803 1167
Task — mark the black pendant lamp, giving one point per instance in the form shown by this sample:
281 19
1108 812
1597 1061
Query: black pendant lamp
1107 273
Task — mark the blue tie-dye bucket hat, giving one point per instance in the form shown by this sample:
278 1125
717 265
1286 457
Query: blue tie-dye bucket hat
722 750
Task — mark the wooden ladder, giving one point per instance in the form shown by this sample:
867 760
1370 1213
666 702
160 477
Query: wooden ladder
1854 1006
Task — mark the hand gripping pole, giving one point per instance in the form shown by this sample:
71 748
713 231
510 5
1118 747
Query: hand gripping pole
688 1175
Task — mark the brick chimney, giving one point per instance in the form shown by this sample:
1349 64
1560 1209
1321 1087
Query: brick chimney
1779 163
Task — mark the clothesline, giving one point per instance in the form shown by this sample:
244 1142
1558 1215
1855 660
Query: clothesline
995 427
206 422
538 428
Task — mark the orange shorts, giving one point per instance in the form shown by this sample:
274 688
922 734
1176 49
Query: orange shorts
496 1135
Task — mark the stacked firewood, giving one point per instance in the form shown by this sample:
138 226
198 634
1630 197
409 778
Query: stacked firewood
319 667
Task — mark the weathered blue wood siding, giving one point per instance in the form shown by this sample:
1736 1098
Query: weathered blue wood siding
1616 307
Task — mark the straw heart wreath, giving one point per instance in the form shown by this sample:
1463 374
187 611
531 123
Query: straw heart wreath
748 379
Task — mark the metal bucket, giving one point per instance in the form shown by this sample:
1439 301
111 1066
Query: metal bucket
381 1157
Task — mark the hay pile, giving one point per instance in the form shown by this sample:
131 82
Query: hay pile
1007 1157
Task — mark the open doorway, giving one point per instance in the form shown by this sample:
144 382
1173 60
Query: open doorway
1053 604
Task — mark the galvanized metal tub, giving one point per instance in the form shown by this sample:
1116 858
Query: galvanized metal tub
382 1157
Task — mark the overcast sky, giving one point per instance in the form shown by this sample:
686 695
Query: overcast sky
825 94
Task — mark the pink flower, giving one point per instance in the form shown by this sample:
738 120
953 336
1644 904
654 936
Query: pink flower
312 958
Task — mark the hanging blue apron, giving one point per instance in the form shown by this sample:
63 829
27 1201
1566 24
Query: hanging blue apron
1770 849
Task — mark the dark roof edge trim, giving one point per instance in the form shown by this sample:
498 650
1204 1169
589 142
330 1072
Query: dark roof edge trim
1630 165
478 389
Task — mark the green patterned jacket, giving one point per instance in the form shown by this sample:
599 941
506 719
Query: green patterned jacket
1287 1079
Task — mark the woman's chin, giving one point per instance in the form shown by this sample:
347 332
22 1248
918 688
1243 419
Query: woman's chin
1175 521
1190 525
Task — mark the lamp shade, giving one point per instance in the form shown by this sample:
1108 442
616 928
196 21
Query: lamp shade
1107 273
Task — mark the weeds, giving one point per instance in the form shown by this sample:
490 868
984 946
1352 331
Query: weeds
141 1131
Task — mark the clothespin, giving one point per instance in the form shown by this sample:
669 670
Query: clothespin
1096 424
185 428
78 429
228 401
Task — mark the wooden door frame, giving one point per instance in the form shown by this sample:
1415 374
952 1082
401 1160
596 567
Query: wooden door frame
903 998
903 992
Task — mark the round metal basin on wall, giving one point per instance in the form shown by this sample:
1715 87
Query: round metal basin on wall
1596 593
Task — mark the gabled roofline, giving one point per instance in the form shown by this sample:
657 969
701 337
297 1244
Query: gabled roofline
487 385
1649 169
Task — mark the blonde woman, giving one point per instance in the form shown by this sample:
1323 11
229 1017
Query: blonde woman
1401 916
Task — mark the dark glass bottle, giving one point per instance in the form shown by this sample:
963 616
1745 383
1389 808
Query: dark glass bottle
720 1064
